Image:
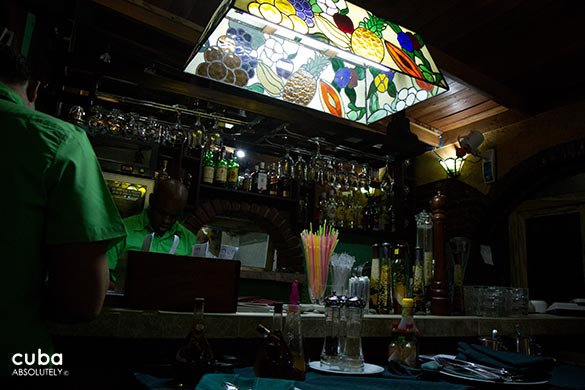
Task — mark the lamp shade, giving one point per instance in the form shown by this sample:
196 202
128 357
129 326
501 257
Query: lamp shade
452 165
329 56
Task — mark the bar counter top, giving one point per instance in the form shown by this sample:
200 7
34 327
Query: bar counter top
137 324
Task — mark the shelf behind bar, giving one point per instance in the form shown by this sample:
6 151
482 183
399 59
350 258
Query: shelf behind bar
250 195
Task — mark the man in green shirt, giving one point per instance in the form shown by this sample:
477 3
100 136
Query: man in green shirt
58 221
157 229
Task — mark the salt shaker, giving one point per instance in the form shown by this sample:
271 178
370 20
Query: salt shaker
331 353
353 357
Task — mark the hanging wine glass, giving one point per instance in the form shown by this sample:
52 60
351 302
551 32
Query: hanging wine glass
387 180
329 173
96 120
352 176
196 135
300 171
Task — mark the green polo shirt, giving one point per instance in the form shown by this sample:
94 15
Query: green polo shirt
52 192
138 226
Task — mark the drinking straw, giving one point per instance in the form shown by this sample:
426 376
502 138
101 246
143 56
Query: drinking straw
317 248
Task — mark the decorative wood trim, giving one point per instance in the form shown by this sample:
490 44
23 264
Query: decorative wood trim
517 230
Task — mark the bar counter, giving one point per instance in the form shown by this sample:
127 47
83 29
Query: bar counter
137 324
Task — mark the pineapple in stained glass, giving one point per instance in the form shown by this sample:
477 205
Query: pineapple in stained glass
300 88
366 40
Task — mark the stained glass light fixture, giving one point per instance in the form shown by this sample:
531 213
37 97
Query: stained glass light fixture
452 165
328 55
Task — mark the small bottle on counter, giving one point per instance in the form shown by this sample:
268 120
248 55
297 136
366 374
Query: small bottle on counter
399 277
404 344
274 359
195 357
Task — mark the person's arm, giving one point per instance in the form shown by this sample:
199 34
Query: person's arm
78 280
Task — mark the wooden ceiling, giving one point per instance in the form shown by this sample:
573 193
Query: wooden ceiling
504 60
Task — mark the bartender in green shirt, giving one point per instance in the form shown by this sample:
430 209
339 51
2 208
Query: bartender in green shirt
157 228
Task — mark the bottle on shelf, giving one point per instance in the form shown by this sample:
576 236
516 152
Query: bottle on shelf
404 344
272 180
385 286
261 179
399 277
247 181
232 172
220 177
375 277
274 358
285 176
208 167
195 357
162 174
418 288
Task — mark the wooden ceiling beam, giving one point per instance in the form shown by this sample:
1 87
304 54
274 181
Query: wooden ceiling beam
173 25
477 81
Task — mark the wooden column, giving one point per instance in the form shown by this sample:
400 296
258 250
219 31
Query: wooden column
440 302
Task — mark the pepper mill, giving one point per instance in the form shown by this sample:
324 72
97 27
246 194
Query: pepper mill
440 302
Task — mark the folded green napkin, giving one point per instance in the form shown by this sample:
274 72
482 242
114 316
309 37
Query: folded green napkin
216 381
517 363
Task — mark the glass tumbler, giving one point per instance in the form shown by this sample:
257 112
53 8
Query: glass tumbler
492 300
517 301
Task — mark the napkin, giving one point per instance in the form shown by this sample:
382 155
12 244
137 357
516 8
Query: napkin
516 363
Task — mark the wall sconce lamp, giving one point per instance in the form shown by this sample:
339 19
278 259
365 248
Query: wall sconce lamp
452 165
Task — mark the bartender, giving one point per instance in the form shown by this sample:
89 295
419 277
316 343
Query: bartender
157 228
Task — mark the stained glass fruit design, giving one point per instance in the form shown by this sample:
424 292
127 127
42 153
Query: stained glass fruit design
242 48
330 99
222 65
407 65
366 40
271 81
300 88
292 14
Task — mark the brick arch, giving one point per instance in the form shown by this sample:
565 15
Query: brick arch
275 222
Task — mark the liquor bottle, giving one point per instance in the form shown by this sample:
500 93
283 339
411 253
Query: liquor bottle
233 171
331 209
262 179
274 359
254 179
399 277
272 180
322 209
300 171
352 177
340 211
195 357
162 174
418 288
363 179
220 177
285 177
208 167
375 277
403 348
247 181
385 287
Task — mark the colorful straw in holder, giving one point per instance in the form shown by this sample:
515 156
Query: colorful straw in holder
318 248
